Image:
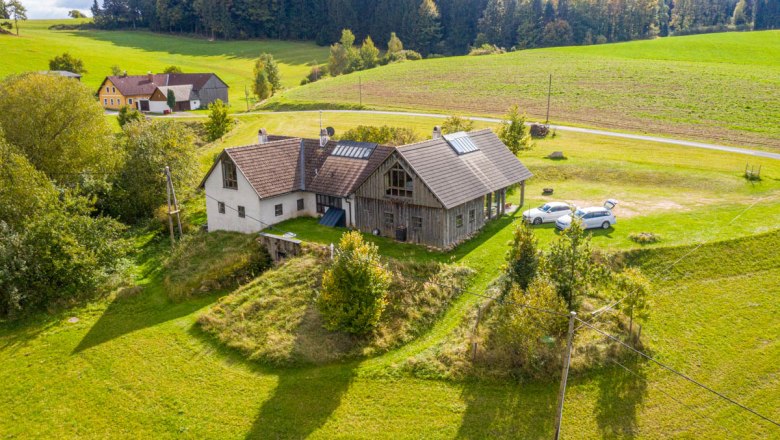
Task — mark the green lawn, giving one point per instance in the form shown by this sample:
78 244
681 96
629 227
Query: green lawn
140 51
137 365
721 87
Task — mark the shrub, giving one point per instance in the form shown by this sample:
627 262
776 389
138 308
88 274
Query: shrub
354 288
219 122
384 135
644 237
127 115
172 69
404 55
513 132
523 257
523 340
486 49
454 124
67 62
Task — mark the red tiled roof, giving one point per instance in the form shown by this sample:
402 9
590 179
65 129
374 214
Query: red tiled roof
137 85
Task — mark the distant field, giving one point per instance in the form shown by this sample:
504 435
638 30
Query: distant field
720 87
139 52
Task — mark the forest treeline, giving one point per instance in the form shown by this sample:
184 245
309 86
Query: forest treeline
442 26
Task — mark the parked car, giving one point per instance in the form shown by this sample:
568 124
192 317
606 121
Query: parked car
592 217
549 212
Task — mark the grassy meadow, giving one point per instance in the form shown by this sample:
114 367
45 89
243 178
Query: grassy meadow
140 51
138 364
719 87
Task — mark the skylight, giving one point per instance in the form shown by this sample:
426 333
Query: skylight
461 142
354 150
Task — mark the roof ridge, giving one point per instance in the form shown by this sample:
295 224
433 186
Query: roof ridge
269 143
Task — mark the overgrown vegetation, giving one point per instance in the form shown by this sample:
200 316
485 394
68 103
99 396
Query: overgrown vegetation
455 123
205 263
354 287
384 135
275 318
644 237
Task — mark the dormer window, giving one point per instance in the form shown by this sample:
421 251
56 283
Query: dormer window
229 176
398 183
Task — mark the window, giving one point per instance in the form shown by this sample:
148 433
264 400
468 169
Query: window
112 101
472 215
278 210
398 183
300 204
113 89
221 207
324 202
229 176
241 212
108 89
389 219
105 101
459 221
417 222
130 101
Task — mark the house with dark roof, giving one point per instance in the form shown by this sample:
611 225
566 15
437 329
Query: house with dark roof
149 93
437 192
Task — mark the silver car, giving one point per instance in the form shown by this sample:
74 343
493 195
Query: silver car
549 212
591 218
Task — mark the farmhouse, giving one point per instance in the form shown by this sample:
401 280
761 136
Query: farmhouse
438 192
149 93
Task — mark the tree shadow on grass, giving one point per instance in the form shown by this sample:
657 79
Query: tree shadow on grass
525 411
200 47
304 398
621 394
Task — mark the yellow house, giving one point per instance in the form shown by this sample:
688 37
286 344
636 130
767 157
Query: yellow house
192 91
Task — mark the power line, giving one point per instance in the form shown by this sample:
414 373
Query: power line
666 269
690 407
683 375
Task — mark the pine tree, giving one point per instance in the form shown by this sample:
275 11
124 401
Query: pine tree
424 27
171 100
394 45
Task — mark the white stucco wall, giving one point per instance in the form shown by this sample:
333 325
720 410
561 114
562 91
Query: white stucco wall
263 210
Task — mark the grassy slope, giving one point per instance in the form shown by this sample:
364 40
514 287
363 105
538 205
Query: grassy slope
722 87
140 52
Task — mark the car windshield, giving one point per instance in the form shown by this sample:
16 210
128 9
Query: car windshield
545 208
579 213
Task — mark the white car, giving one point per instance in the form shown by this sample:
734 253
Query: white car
549 212
593 217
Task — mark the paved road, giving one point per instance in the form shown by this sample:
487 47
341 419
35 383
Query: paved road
663 140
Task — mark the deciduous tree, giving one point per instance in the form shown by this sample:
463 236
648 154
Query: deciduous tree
513 131
455 123
219 121
67 62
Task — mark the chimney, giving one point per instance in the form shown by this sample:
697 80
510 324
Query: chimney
262 136
437 132
150 77
323 137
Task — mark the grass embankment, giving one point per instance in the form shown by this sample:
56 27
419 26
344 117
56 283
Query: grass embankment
139 366
674 86
275 318
139 52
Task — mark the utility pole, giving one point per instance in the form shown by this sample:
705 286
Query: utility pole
246 97
549 92
360 88
172 209
564 377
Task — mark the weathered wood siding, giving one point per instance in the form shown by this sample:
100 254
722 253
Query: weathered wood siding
213 89
374 186
370 215
455 234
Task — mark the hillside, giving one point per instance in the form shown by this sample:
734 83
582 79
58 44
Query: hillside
139 52
721 87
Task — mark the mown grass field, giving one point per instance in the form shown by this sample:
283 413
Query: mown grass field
139 52
720 87
138 365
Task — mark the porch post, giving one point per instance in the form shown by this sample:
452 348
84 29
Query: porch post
522 193
490 205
